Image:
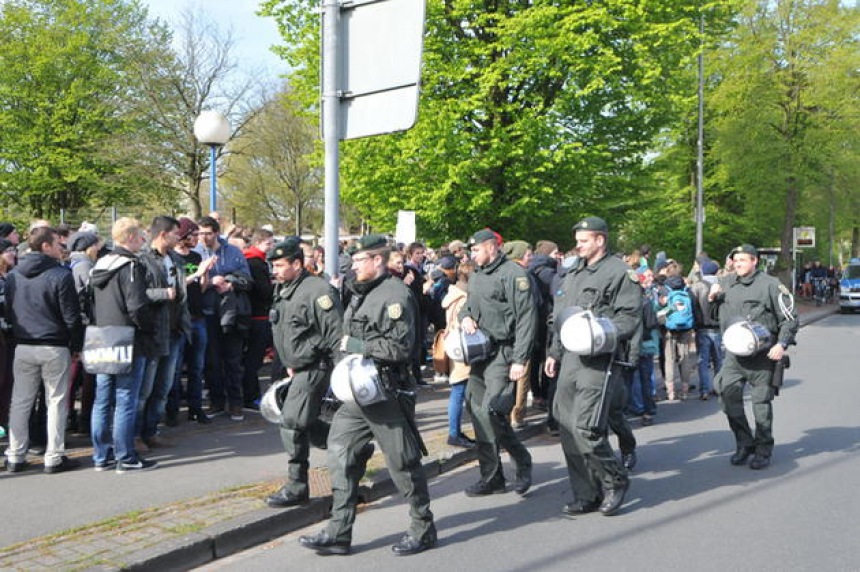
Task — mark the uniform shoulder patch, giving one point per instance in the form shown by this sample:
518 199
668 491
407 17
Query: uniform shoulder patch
633 276
784 289
325 302
395 311
522 284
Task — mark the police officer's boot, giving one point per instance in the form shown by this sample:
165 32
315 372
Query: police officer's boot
741 455
613 499
494 486
523 482
325 545
285 498
409 545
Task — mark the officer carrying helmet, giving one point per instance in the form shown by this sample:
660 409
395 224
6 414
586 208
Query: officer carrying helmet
307 321
758 323
379 338
607 290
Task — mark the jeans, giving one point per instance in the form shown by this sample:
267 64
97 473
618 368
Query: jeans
642 391
708 344
192 354
455 408
120 392
158 380
259 339
223 364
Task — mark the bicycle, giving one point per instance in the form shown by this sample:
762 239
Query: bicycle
822 291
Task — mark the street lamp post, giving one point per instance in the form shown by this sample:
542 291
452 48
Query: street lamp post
211 128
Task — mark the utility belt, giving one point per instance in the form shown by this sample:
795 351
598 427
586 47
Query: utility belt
321 365
396 378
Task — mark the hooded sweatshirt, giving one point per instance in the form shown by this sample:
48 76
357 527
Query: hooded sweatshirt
263 289
42 304
119 293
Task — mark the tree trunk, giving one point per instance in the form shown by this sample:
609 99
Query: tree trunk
784 267
855 241
298 218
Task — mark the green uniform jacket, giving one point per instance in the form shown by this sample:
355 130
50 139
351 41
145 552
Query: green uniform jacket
609 288
381 323
757 298
307 321
500 301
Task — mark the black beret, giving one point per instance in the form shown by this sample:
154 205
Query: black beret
80 241
287 248
594 223
483 235
371 242
746 249
6 229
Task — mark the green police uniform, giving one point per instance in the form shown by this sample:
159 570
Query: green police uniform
500 302
379 323
307 326
611 290
307 321
764 300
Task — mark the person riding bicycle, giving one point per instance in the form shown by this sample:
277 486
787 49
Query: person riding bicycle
818 277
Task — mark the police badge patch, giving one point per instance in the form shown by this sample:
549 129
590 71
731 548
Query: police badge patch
395 311
522 284
325 302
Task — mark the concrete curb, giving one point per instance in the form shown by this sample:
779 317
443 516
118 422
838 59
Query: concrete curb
818 315
260 526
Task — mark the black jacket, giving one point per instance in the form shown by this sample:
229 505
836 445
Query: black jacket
263 289
42 303
169 315
119 294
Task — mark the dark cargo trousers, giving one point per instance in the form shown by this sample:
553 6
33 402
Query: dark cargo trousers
618 420
490 397
591 463
729 383
352 428
300 425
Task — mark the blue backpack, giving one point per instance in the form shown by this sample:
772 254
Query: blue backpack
681 315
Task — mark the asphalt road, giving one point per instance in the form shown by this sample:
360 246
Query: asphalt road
205 459
688 508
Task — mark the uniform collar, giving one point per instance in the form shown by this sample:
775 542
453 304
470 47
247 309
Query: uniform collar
594 267
749 279
289 288
492 266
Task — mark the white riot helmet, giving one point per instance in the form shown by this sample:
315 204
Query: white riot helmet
583 333
273 400
747 338
355 379
468 348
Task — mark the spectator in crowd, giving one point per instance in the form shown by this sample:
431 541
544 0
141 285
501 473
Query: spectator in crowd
676 307
543 266
319 260
42 306
119 295
226 307
260 334
520 252
165 281
8 259
459 374
8 233
642 391
459 250
414 279
84 250
396 265
192 349
708 339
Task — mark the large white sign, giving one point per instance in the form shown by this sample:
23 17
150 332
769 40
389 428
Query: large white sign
405 233
380 43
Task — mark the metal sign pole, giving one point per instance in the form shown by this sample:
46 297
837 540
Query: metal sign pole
331 134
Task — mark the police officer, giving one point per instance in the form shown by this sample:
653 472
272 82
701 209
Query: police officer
605 285
500 303
750 294
307 324
379 324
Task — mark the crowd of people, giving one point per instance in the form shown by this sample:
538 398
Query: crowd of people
203 308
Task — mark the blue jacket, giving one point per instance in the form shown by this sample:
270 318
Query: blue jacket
230 261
